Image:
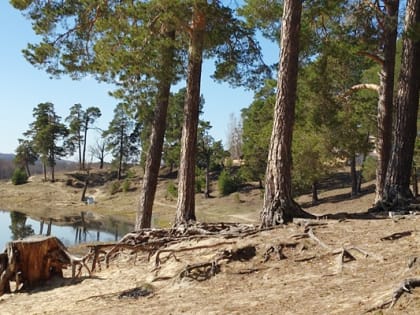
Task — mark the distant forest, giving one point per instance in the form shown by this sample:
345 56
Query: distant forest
7 166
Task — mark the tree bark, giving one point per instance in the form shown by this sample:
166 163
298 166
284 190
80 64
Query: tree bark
397 194
186 176
414 183
32 261
279 206
386 95
154 154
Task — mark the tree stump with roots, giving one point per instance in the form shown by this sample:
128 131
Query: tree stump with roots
34 260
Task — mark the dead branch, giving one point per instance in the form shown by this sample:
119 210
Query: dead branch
396 236
345 256
303 259
412 261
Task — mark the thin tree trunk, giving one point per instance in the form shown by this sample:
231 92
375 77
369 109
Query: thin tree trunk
207 188
353 175
80 151
28 171
386 95
84 142
121 155
279 206
154 154
315 198
397 194
44 169
186 176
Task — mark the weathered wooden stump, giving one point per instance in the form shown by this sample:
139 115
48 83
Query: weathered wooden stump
33 260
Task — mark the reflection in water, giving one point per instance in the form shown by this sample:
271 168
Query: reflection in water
18 227
15 225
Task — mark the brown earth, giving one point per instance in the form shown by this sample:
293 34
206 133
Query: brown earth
313 277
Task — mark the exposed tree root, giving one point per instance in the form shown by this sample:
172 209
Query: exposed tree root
200 271
406 286
178 250
206 270
278 250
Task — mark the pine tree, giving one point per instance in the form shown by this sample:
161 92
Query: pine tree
47 134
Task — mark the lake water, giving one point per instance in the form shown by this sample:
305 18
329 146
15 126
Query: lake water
15 225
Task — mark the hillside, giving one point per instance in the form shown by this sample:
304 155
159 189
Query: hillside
347 262
7 166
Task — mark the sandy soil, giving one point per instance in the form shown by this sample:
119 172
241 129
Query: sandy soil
310 279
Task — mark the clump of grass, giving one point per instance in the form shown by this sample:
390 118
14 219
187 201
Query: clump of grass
126 185
171 191
115 187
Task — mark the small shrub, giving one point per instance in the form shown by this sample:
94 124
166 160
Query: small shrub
19 177
200 180
131 173
115 187
227 183
369 168
171 191
126 185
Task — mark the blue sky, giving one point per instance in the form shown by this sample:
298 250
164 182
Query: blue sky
23 87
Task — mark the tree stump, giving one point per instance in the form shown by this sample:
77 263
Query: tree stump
33 260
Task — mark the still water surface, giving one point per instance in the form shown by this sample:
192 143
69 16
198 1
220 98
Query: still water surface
23 226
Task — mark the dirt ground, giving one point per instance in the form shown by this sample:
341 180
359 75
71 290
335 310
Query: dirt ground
313 275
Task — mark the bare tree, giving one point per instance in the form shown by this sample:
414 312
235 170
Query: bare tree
234 137
98 151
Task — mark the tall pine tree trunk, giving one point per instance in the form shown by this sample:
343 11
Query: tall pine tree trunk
186 176
386 95
279 206
397 194
154 154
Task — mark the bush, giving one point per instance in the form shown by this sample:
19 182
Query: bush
171 191
115 187
126 186
227 183
131 173
369 168
200 180
19 177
